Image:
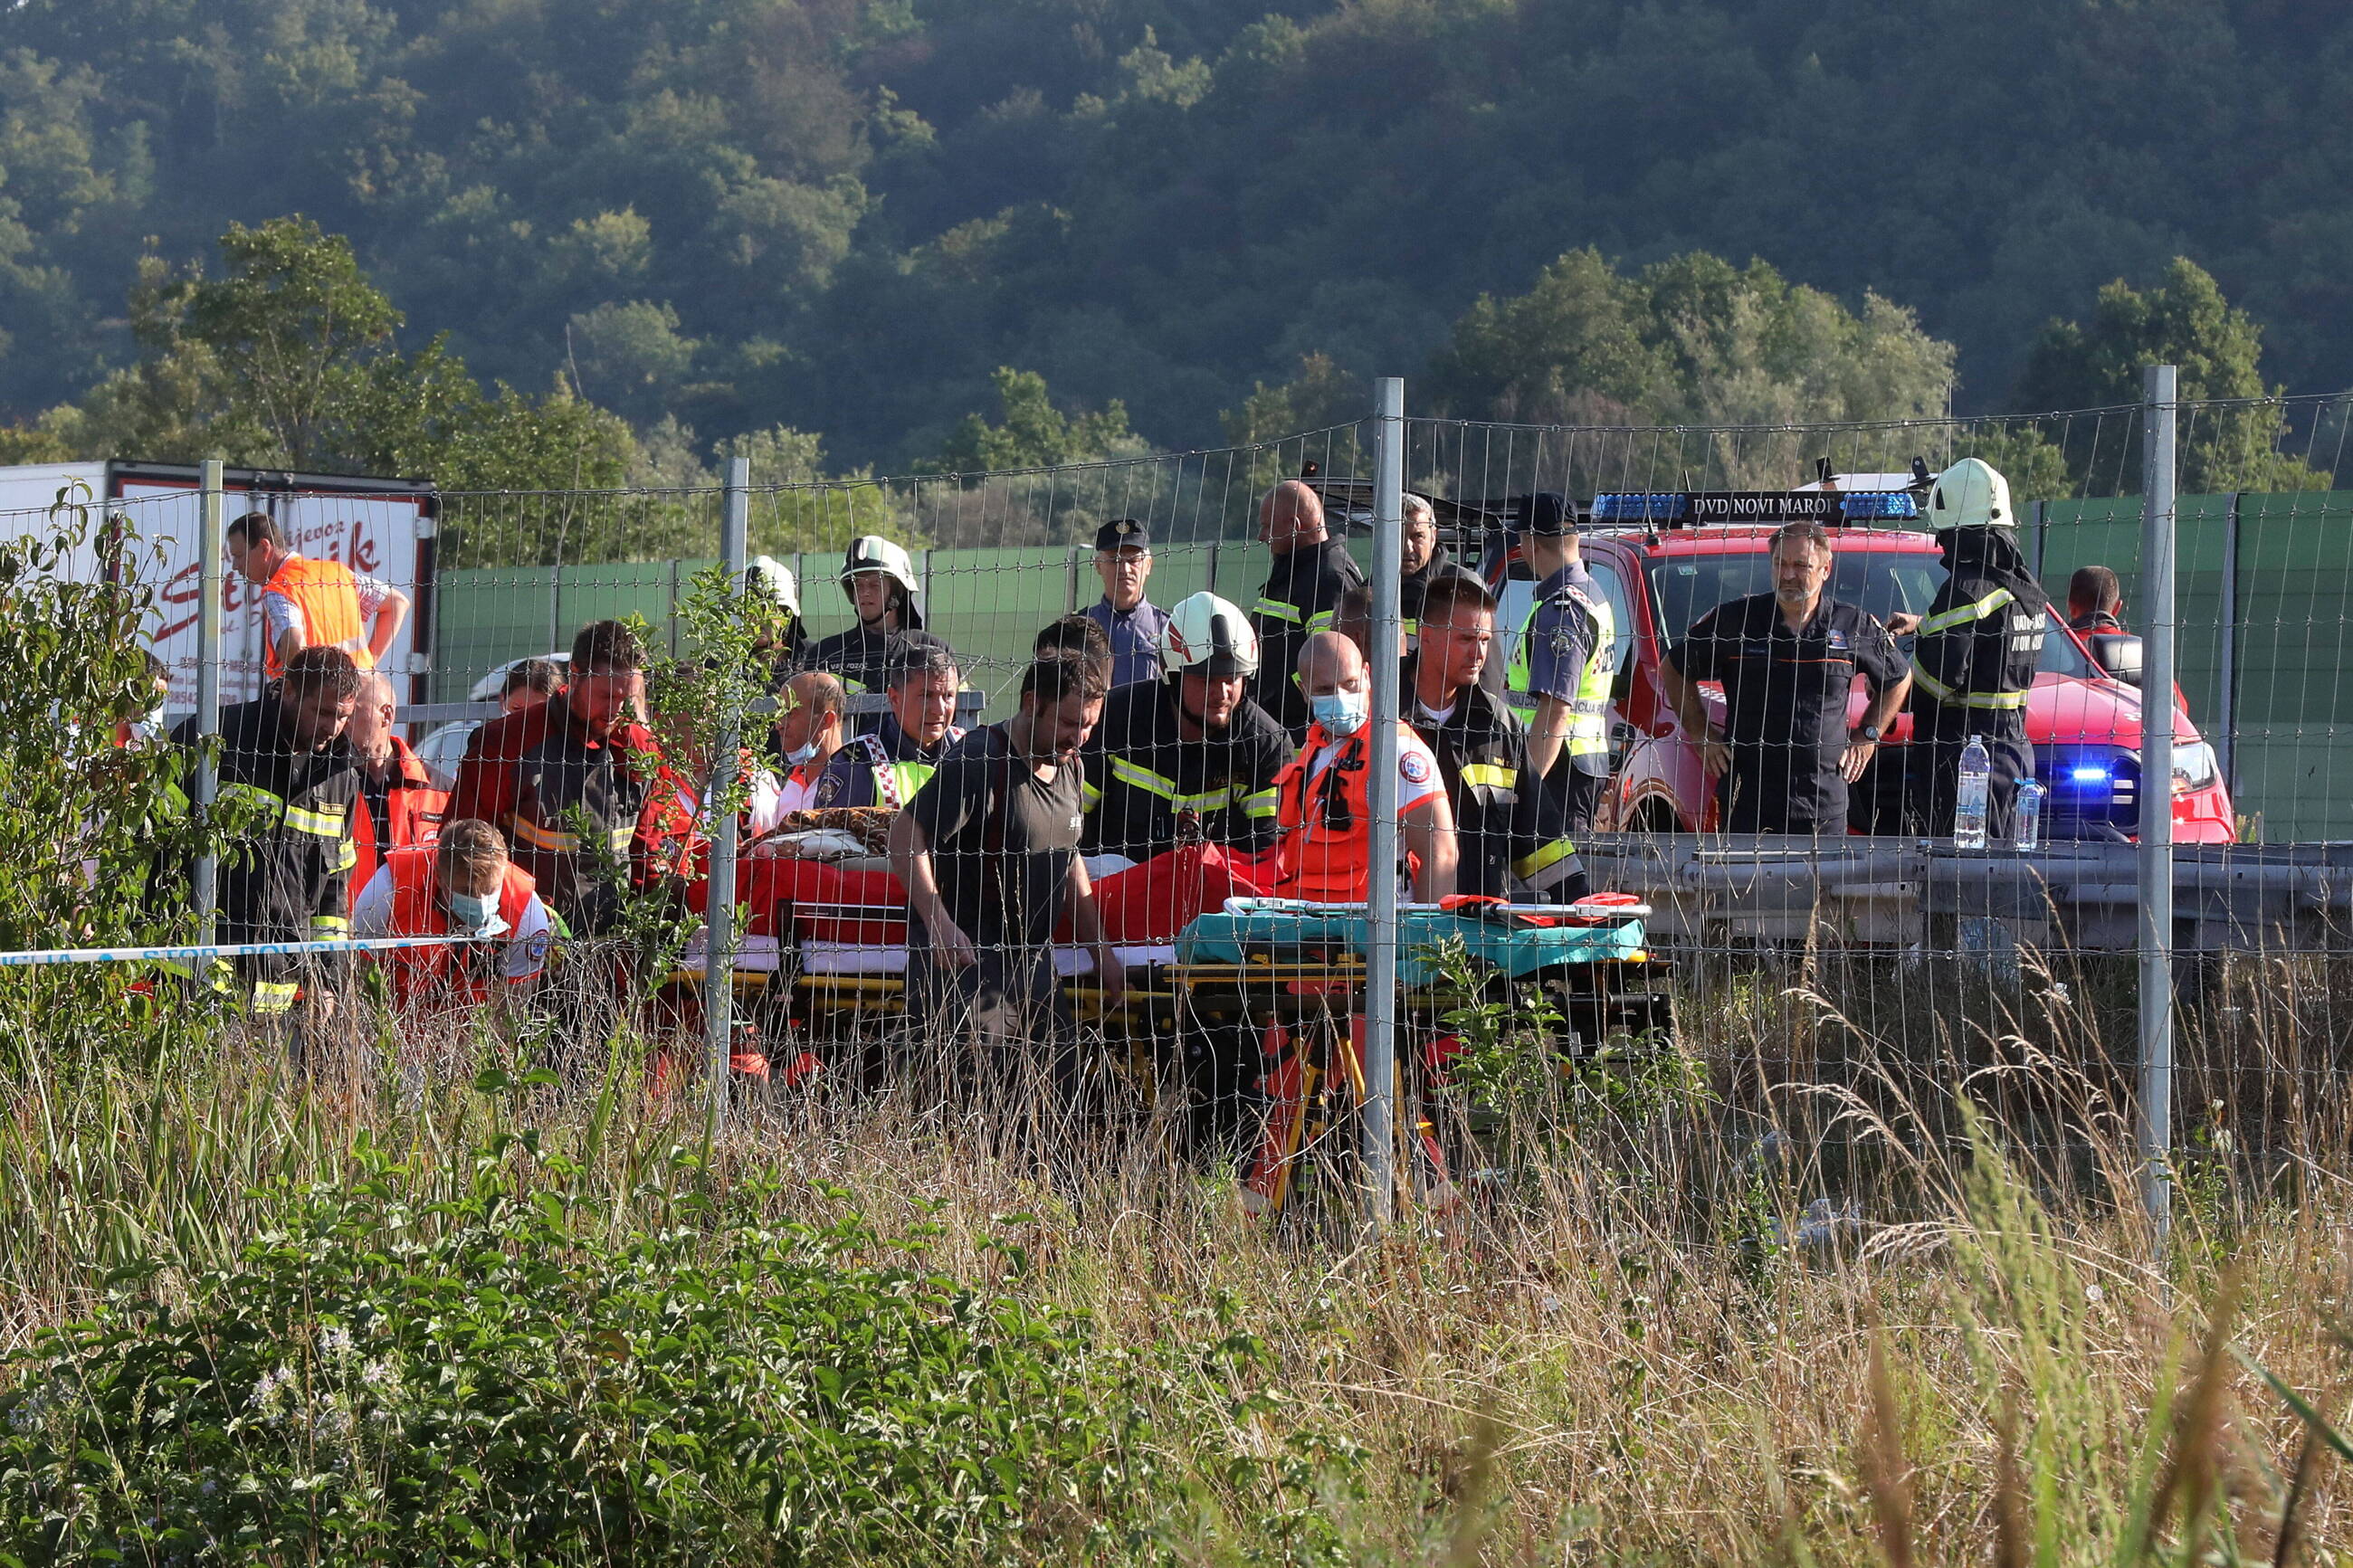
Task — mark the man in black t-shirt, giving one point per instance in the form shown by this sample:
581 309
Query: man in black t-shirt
988 853
1788 661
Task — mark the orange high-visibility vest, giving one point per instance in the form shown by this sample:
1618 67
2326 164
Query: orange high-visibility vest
414 812
330 603
440 973
1326 821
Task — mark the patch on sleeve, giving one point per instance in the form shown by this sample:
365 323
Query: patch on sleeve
1414 766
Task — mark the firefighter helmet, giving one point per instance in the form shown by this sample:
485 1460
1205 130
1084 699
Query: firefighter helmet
1971 494
771 580
1206 633
873 553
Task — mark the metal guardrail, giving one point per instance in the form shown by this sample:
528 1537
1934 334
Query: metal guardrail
1890 891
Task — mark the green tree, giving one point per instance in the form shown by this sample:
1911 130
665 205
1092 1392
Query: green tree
1034 432
2218 349
289 360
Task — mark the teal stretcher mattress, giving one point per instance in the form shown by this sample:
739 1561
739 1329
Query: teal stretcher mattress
1283 927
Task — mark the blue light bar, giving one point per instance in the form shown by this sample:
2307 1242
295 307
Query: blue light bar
1652 507
1879 506
2091 775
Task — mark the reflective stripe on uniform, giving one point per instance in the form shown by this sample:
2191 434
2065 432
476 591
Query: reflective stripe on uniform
1089 797
1490 775
1205 801
347 855
1997 701
1265 802
1321 621
1137 776
553 840
1280 611
324 824
273 996
329 928
1546 865
1962 615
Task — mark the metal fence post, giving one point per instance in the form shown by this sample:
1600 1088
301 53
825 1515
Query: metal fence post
719 953
1381 900
2226 679
2158 529
210 548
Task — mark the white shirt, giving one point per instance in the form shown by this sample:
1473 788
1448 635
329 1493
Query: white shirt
798 789
283 616
526 945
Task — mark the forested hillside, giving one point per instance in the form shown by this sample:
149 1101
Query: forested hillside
845 216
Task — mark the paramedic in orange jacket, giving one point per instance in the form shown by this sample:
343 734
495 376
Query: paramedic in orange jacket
461 885
312 603
1323 798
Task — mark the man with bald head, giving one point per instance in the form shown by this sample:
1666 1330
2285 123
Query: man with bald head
1311 571
401 807
1323 799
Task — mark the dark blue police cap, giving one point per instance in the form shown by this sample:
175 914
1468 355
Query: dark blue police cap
1121 532
1545 512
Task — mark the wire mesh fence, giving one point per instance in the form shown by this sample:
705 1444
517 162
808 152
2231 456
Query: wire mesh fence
1138 869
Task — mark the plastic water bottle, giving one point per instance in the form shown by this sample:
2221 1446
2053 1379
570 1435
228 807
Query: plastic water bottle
2029 815
1969 797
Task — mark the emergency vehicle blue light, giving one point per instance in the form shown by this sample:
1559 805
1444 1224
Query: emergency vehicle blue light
1656 507
1878 506
2089 775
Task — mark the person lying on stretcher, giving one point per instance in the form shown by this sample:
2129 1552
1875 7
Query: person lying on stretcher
1323 798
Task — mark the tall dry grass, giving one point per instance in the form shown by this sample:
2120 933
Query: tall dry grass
1644 1341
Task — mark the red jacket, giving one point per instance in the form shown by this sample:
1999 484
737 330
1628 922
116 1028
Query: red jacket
528 774
413 811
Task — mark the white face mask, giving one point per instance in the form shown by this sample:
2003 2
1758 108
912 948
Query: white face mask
1342 714
800 754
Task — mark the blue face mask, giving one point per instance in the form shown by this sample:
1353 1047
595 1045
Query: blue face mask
474 916
1342 714
800 754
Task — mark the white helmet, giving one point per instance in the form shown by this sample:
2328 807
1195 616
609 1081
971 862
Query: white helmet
772 579
1971 494
1208 633
873 553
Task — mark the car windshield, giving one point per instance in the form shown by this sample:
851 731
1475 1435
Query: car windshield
1886 583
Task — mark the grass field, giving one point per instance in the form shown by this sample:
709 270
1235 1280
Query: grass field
587 1328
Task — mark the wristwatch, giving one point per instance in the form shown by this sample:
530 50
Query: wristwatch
1867 732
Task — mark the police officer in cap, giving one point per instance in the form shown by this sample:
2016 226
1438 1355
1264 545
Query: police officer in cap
1565 660
1134 622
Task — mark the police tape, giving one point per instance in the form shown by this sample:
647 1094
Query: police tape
205 952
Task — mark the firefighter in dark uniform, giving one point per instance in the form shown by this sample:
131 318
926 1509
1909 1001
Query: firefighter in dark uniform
1511 835
1788 661
1563 662
1421 562
287 773
1312 570
1191 757
1188 754
879 579
1978 648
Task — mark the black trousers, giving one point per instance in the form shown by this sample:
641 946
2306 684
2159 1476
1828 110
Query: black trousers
1933 773
1581 793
